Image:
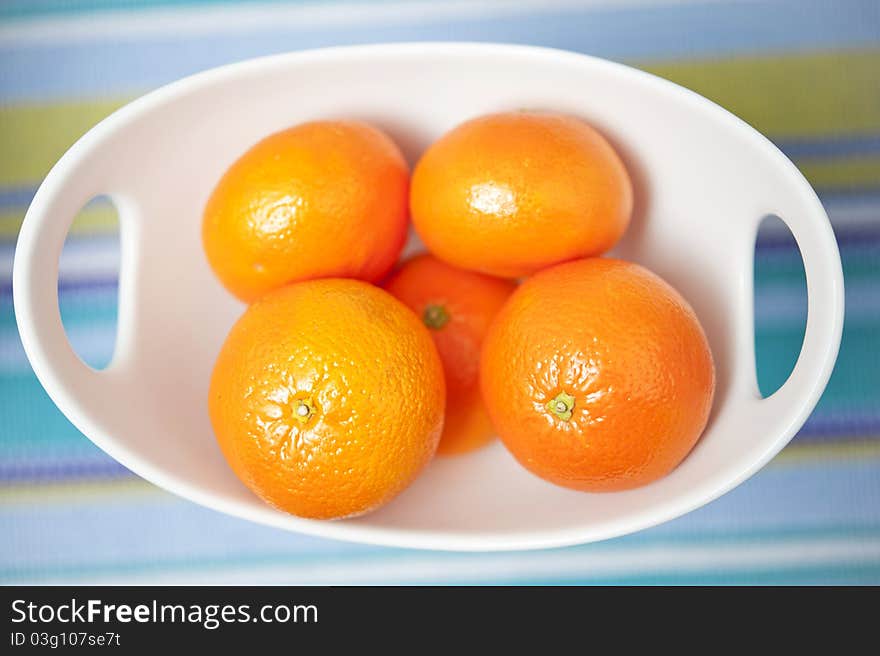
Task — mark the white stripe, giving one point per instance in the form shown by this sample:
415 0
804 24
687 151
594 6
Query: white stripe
843 212
201 20
82 259
598 563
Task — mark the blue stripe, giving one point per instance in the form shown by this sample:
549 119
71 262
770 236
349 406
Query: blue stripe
74 458
810 502
115 66
17 9
16 197
855 235
64 285
839 146
864 196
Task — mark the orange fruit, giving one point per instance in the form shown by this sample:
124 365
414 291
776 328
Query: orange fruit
322 199
510 194
597 375
457 306
327 398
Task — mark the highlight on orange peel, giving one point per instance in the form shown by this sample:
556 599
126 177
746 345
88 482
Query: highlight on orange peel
511 193
320 199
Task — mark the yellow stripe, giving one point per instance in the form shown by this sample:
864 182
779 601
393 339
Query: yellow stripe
79 491
101 220
792 95
856 172
124 488
34 137
856 449
800 95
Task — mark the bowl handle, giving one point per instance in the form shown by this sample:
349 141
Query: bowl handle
797 397
71 383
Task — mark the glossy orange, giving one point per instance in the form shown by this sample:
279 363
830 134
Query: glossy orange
322 199
457 306
327 398
597 375
509 194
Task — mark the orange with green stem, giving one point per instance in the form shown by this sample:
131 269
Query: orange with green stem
597 375
457 306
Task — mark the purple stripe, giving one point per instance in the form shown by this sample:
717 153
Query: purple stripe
103 284
835 146
818 430
847 236
42 472
828 427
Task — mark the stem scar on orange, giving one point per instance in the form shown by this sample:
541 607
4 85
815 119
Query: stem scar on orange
493 193
457 306
327 398
597 375
321 199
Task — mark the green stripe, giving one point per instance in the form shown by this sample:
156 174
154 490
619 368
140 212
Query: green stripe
861 266
792 95
855 381
75 314
842 174
32 423
33 137
826 573
803 95
90 221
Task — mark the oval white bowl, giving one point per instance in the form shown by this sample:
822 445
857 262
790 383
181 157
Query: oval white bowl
704 181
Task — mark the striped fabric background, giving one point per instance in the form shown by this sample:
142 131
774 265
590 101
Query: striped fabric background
804 72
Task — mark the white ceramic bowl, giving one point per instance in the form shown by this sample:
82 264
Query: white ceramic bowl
704 181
